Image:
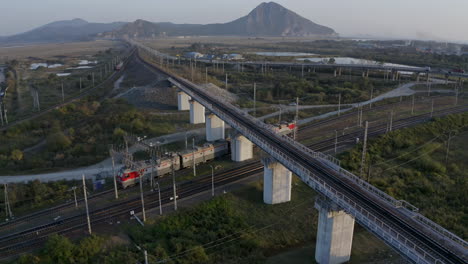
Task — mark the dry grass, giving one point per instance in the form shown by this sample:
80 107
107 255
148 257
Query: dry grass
57 49
178 42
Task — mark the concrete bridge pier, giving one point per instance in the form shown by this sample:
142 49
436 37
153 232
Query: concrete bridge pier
334 233
339 71
183 101
214 128
241 148
418 77
367 74
334 73
197 113
276 182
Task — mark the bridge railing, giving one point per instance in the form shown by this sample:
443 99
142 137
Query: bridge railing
301 172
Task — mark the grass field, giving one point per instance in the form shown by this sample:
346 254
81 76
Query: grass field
57 49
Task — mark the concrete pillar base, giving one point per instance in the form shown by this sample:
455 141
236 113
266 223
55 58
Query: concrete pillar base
334 233
197 113
276 182
214 128
241 148
183 101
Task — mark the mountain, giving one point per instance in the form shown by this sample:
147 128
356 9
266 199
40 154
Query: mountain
268 19
62 31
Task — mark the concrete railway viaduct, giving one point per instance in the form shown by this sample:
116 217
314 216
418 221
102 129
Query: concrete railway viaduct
343 199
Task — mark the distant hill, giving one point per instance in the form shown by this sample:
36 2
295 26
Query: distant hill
62 31
268 19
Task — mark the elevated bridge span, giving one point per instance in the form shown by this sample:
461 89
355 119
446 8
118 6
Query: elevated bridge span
396 222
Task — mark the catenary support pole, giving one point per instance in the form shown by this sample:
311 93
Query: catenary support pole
364 150
255 99
114 176
174 186
86 205
212 181
339 104
142 198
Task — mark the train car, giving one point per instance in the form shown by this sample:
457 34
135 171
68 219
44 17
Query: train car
284 128
163 165
128 177
203 154
119 66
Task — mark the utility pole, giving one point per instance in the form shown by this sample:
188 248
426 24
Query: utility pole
456 96
302 71
80 84
86 205
74 195
114 176
391 121
371 97
206 74
93 78
358 116
142 197
1 112
280 112
174 185
296 118
255 99
364 150
7 202
159 197
193 152
146 256
412 106
226 81
336 141
448 147
339 104
152 167
432 108
212 181
63 94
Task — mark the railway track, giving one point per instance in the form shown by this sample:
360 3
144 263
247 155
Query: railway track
114 76
24 241
17 243
350 138
394 218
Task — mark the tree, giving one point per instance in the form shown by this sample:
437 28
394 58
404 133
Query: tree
17 155
59 249
58 141
331 61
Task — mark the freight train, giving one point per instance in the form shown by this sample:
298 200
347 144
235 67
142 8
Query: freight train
163 166
129 177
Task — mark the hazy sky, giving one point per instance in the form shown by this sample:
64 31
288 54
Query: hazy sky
432 19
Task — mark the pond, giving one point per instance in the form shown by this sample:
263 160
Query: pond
283 54
348 60
35 66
